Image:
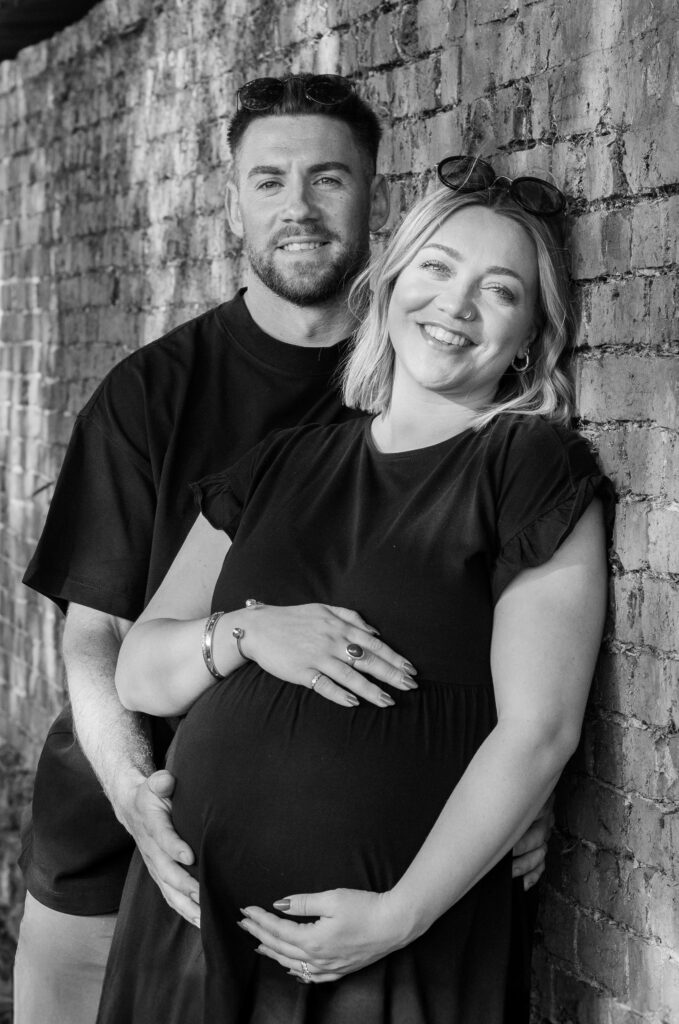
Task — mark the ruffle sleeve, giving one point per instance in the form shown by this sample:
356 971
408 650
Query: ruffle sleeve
219 501
222 496
548 483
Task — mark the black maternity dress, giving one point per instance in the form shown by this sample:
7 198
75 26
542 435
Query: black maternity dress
280 791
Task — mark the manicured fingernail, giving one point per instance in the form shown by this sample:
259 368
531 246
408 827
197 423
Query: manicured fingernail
196 921
194 896
282 905
185 858
375 632
259 950
385 699
407 667
243 925
352 700
410 683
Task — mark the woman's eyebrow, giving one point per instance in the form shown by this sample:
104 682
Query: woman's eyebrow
455 255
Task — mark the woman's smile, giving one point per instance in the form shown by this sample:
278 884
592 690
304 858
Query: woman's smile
443 336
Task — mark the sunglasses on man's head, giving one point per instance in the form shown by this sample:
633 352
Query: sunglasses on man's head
264 93
469 174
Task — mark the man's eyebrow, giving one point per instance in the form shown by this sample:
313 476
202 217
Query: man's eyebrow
455 255
330 165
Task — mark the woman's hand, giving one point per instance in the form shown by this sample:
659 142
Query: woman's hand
353 929
312 645
530 852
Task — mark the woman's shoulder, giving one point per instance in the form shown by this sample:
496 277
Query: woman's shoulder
535 444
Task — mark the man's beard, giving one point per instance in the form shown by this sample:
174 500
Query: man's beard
313 287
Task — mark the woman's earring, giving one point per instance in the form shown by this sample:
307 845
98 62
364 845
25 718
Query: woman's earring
521 369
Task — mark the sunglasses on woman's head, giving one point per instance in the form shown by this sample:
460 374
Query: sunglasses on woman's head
264 93
469 174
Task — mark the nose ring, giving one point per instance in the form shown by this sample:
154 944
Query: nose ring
467 315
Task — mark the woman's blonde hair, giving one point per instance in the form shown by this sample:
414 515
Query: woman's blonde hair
544 389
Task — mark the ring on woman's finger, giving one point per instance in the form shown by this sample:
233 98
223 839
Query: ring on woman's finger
354 653
314 680
306 974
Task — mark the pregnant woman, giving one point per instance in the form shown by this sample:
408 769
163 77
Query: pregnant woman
362 844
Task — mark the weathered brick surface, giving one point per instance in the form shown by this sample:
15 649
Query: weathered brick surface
113 165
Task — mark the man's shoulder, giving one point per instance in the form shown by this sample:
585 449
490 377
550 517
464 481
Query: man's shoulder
186 340
163 365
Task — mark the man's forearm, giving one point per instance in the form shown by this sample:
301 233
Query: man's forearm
114 740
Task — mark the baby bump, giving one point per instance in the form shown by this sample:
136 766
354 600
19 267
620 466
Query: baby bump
278 790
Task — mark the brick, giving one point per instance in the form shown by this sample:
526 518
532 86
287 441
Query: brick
652 835
647 612
632 311
601 243
626 387
645 967
631 534
559 922
602 953
663 910
670 987
649 154
654 235
399 89
634 758
580 97
451 62
617 313
602 883
594 812
576 1000
640 460
663 531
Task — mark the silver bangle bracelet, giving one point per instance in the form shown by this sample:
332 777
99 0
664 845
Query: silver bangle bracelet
238 632
208 637
206 644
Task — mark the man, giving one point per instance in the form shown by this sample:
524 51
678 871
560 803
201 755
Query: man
304 197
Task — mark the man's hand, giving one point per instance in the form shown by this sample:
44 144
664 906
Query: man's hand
531 850
145 813
117 746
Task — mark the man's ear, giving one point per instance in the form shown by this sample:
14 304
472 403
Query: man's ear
233 214
379 203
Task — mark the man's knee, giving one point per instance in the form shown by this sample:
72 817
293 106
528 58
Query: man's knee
59 965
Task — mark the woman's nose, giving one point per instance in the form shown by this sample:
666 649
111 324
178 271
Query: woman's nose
456 303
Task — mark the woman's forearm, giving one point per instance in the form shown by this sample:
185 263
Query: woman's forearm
161 670
498 796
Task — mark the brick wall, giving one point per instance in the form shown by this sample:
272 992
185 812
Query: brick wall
112 171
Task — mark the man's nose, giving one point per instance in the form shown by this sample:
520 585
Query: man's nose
299 205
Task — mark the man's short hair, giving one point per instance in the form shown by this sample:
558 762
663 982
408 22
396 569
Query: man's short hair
353 111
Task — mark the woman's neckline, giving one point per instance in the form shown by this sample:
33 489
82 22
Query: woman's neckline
406 453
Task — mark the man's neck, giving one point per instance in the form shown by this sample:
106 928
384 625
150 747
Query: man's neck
311 326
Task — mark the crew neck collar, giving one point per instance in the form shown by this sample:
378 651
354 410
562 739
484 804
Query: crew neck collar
237 321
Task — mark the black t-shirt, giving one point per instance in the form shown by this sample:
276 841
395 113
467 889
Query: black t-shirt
177 409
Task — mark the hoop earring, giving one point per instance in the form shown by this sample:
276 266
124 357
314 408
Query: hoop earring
521 369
